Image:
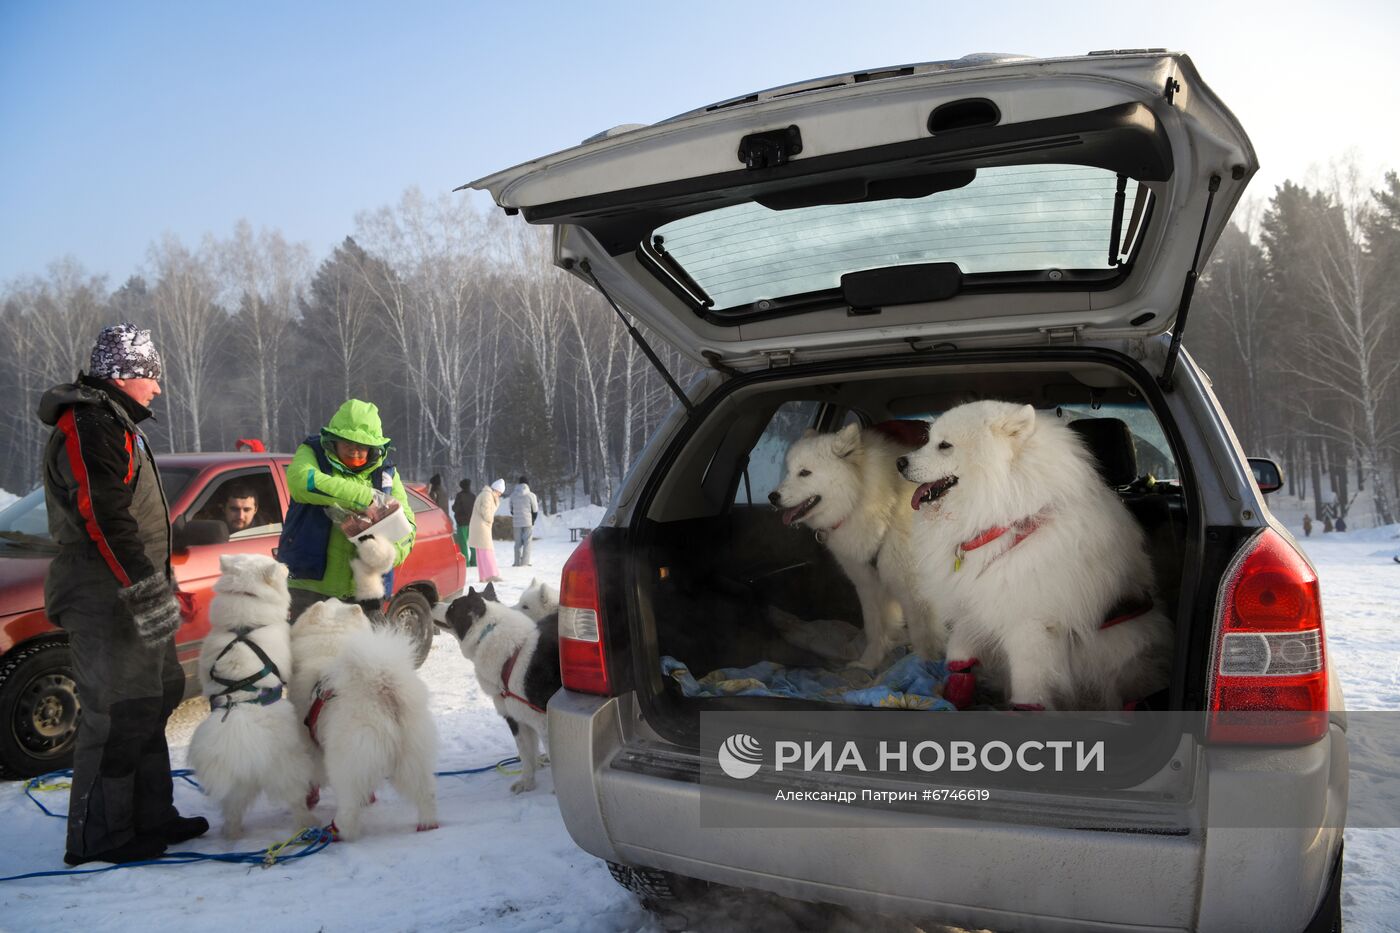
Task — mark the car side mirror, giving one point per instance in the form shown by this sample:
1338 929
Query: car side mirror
1266 474
186 534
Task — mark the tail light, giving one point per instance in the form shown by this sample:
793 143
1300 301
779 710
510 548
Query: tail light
582 656
1269 684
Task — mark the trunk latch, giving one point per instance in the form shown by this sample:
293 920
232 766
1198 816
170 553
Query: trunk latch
771 148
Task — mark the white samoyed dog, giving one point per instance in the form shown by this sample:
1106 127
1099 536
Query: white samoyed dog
365 710
539 600
252 742
1029 556
517 666
847 487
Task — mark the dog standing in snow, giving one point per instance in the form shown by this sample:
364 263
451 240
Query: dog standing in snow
846 486
365 710
1028 555
517 665
252 742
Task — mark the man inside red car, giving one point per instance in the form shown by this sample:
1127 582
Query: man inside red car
240 511
110 589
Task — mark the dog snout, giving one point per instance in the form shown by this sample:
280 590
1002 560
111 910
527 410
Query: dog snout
774 498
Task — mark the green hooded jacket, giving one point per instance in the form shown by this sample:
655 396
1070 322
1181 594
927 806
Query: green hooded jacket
350 489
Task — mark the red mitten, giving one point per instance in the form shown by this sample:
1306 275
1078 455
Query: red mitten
961 683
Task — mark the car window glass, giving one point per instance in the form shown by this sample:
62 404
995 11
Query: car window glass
27 515
246 501
768 455
1153 453
419 503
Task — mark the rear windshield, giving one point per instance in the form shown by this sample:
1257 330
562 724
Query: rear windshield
1029 218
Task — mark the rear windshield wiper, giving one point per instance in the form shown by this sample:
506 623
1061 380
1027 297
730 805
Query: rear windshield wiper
32 541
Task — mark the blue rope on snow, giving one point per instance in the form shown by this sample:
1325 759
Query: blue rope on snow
315 839
503 763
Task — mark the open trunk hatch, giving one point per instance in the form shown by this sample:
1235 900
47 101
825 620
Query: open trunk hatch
993 202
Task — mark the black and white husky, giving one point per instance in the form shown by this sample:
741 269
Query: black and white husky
517 665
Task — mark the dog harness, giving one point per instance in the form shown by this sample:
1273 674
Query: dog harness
320 696
1022 528
1129 607
262 696
505 682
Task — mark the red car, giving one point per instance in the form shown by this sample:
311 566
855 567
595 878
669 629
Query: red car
38 705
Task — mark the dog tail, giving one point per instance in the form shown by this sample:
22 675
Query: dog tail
380 662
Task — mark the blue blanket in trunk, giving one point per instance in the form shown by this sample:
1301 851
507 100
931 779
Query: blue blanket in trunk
911 682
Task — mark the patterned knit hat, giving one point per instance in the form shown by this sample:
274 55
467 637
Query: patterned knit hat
124 351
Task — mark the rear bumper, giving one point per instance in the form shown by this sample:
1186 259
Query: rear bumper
973 873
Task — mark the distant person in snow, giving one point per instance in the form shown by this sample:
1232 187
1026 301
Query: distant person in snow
1307 525
524 509
479 537
437 493
1341 524
112 591
462 515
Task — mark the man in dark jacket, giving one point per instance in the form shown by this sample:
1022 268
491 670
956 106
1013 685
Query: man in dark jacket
110 589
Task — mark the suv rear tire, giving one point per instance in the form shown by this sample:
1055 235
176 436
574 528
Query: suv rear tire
411 612
39 709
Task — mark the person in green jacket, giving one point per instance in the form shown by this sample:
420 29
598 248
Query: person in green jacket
346 468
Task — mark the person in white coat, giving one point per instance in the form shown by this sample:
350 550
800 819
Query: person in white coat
479 534
524 507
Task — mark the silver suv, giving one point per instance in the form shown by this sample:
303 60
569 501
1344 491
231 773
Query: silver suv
885 245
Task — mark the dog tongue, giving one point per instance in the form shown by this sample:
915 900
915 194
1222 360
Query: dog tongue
792 513
919 494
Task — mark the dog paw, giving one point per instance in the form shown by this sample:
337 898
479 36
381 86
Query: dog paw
427 827
232 830
522 785
543 759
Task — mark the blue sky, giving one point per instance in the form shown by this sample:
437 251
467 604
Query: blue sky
120 121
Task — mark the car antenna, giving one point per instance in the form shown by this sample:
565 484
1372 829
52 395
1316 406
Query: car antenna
587 270
1187 290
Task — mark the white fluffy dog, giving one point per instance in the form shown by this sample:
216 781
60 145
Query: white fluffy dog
373 558
845 485
366 711
539 600
252 741
1024 550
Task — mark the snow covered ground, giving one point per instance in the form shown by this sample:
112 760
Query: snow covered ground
501 862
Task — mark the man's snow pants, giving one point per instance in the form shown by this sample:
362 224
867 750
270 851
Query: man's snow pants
121 765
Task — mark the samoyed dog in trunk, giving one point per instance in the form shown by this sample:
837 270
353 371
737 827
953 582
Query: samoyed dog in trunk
1030 557
846 487
366 712
252 743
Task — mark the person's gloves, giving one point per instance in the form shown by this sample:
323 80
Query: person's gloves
373 558
153 608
